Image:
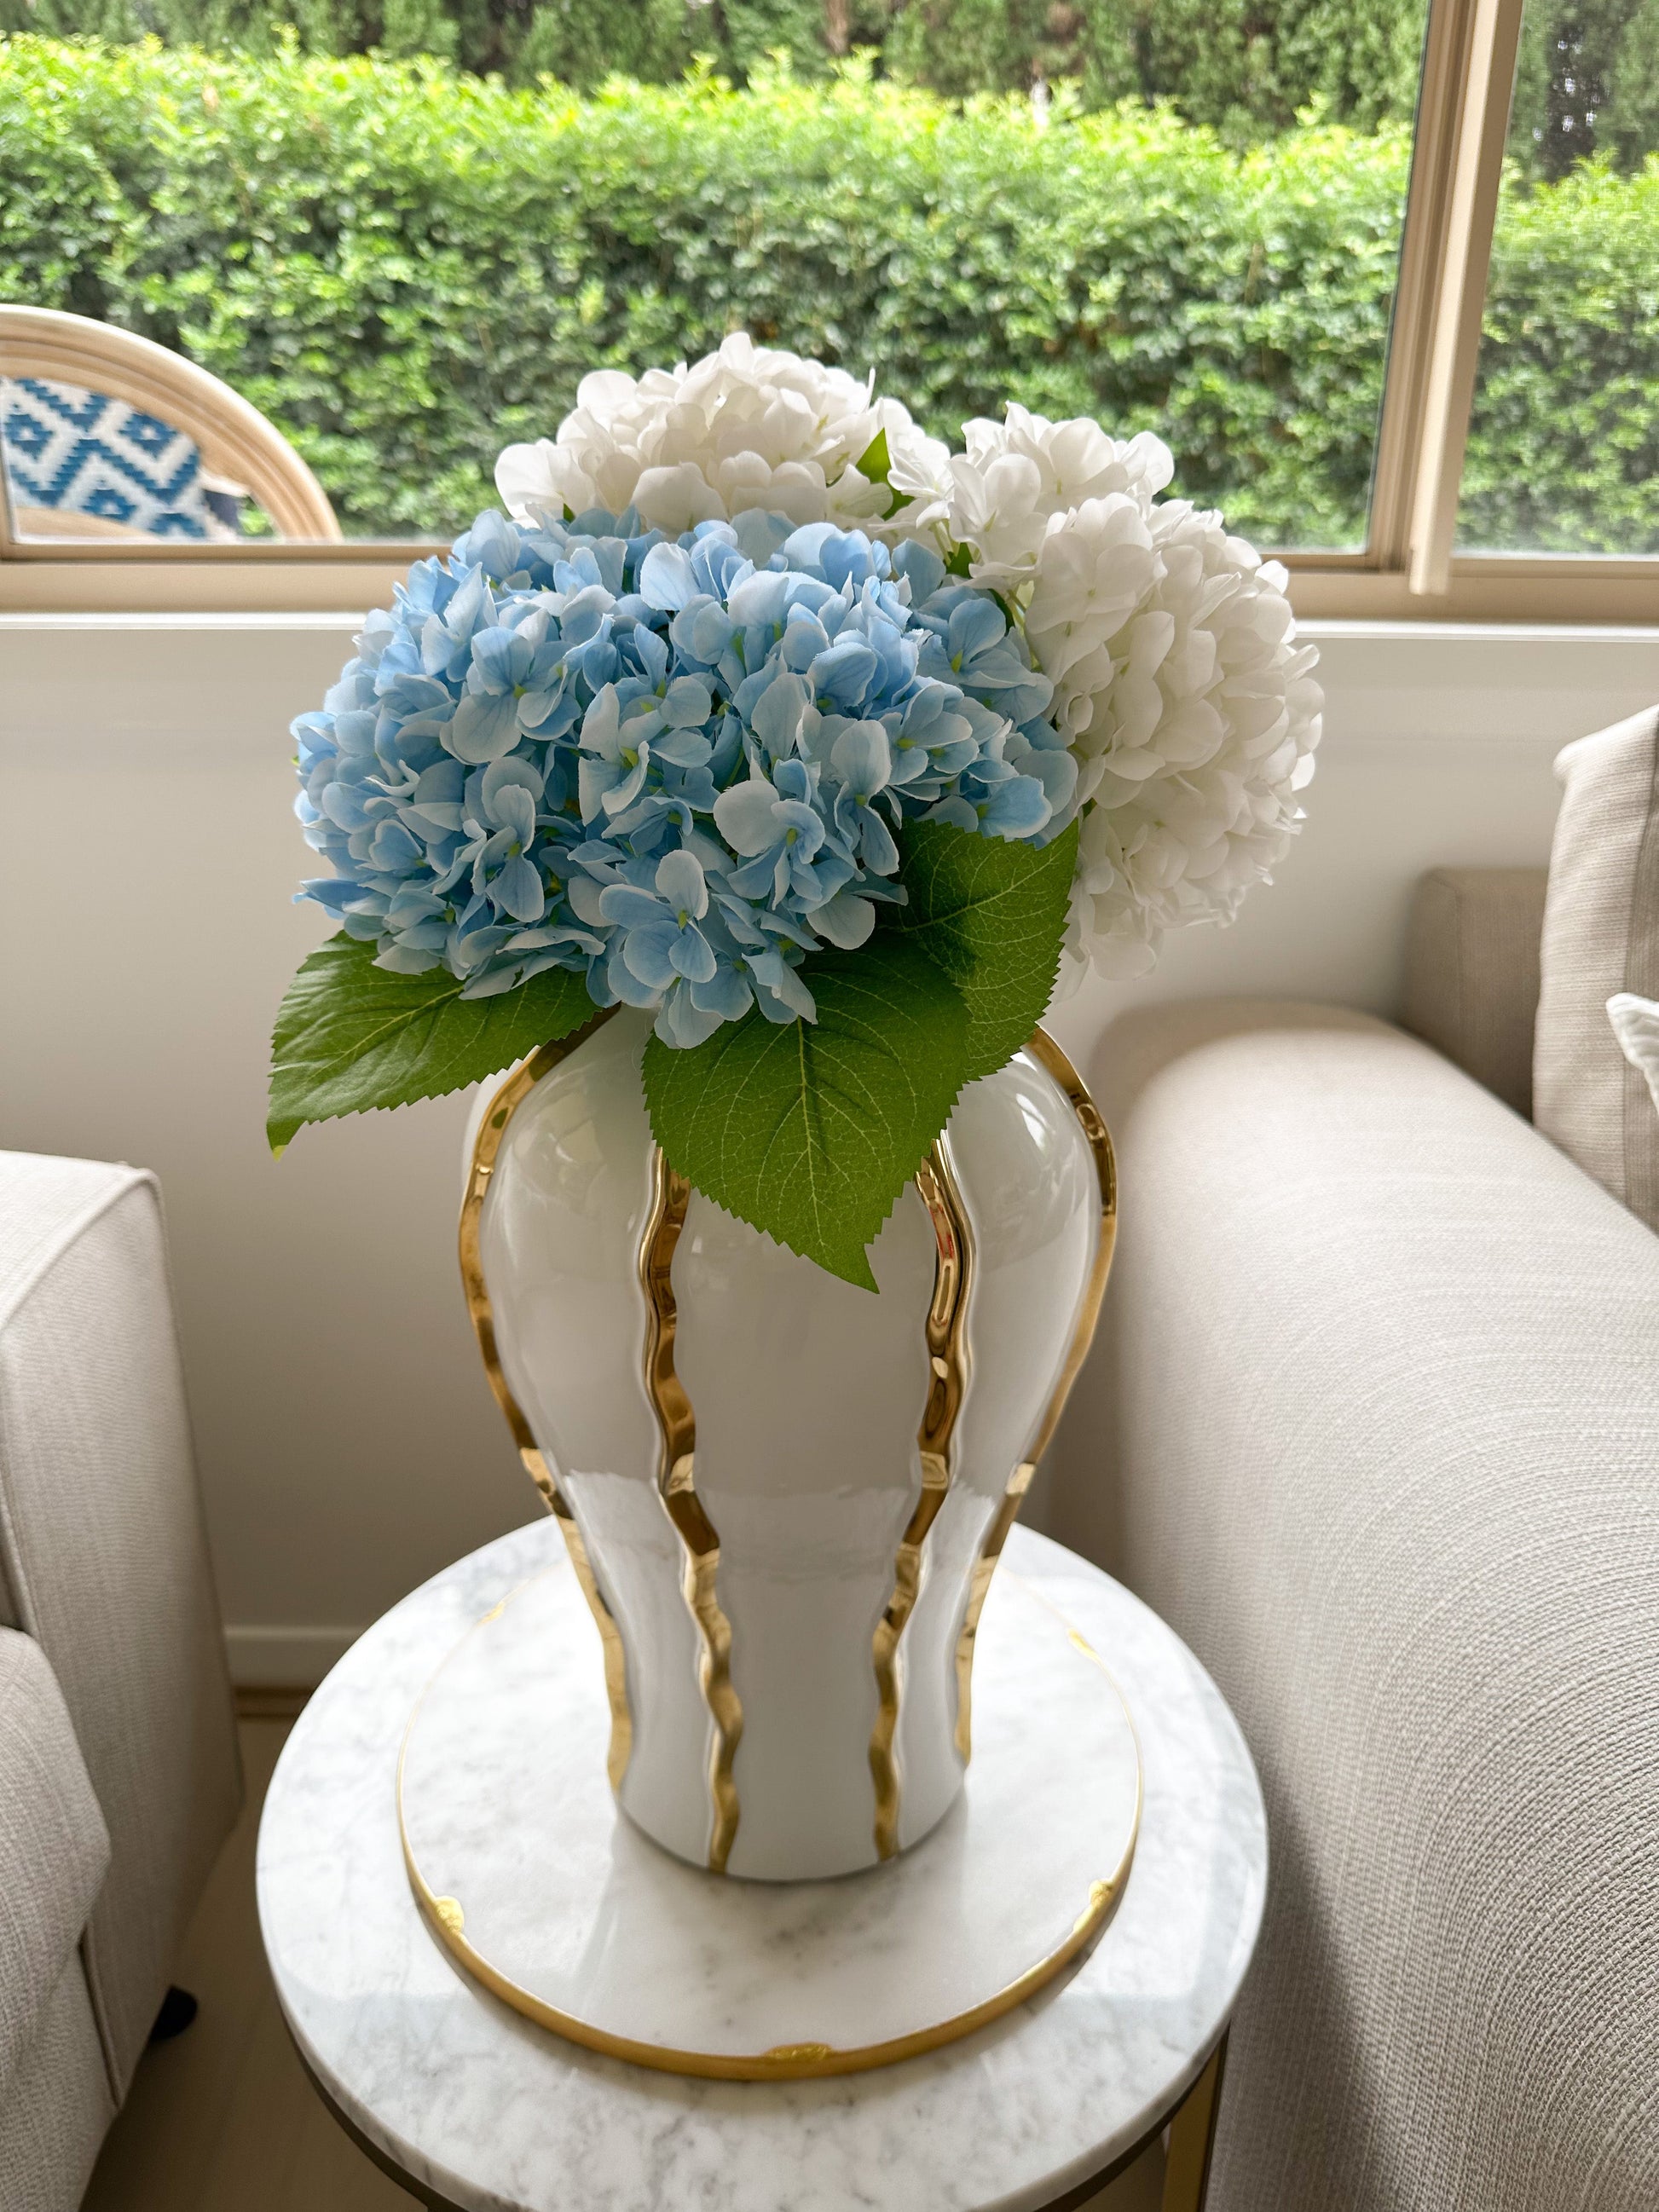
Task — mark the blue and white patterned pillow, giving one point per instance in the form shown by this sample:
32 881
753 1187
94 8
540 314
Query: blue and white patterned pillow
86 454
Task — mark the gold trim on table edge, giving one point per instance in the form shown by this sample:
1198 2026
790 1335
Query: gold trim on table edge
492 1128
787 2061
1043 1050
950 1360
677 1486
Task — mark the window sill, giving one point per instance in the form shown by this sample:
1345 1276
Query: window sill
291 580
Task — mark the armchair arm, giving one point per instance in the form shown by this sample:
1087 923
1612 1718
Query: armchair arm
1374 1421
104 1556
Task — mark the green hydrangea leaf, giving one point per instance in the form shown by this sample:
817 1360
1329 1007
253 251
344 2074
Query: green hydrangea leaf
993 916
809 1130
875 462
350 1037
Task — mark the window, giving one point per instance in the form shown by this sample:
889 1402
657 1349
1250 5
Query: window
1263 227
1563 442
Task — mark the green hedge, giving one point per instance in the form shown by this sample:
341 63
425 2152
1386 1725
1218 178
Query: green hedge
406 268
1564 449
1245 65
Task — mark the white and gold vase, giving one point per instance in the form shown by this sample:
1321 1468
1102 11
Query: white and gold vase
784 1498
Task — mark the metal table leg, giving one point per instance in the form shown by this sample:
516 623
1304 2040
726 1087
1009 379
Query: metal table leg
1192 2138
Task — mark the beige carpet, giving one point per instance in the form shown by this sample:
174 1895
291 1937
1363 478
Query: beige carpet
224 2120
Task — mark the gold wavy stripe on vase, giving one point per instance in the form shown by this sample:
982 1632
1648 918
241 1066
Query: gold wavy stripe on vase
487 1145
949 1361
677 1484
1043 1050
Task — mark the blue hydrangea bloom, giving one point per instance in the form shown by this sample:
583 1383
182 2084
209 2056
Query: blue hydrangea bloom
674 766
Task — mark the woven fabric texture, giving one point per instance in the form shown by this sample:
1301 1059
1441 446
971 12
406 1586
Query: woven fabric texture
1374 1421
85 454
54 1848
1472 973
1601 936
105 1556
44 1201
57 2108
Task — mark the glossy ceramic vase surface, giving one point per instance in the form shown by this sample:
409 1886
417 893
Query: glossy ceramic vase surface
784 1497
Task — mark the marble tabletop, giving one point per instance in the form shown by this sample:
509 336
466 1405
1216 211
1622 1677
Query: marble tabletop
493 2113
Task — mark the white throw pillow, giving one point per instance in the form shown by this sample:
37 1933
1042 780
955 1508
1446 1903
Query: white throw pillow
1636 1024
1600 939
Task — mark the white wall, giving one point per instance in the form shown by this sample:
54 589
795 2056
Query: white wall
348 1444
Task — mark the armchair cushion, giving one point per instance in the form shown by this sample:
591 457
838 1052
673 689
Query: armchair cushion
57 2106
54 1847
1472 973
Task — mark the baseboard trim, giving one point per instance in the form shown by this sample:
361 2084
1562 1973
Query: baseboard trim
284 1659
271 1703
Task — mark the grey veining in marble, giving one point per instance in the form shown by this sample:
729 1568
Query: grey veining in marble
507 1809
502 2115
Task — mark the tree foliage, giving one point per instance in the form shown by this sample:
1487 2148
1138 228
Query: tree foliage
406 267
1242 65
1587 84
1588 81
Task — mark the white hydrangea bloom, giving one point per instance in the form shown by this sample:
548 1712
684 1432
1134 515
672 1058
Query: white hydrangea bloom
1193 751
1022 478
920 472
748 427
1092 574
1178 685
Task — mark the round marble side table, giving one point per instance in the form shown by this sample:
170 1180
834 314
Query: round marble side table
475 2109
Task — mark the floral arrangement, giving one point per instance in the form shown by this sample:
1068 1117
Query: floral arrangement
675 766
763 711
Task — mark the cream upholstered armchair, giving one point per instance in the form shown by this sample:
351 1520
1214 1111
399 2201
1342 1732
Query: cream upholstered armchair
118 1772
105 434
